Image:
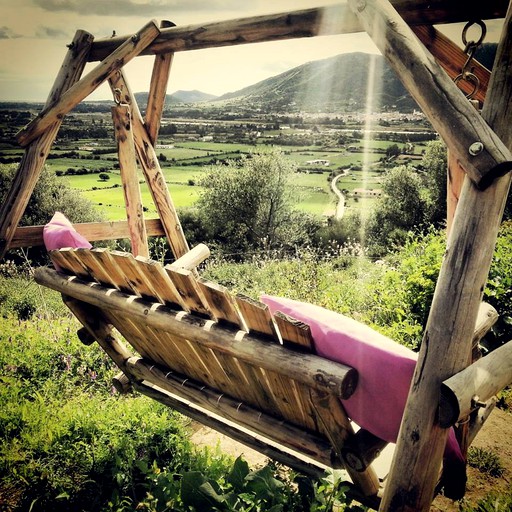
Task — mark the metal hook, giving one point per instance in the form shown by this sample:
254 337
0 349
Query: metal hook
469 77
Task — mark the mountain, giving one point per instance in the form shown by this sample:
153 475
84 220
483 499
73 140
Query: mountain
344 83
191 96
177 97
340 83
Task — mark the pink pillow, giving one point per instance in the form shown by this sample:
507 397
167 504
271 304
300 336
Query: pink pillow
385 372
385 368
60 233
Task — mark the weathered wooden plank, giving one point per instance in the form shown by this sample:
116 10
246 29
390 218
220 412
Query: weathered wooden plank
94 267
221 303
300 23
164 288
121 117
28 236
150 166
309 369
294 332
233 412
29 170
447 339
68 261
89 83
257 316
158 89
466 133
113 270
186 285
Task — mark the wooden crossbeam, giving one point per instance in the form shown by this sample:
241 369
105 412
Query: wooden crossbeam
300 23
93 231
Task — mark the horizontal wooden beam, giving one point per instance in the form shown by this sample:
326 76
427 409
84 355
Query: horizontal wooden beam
295 461
473 386
31 236
298 24
311 370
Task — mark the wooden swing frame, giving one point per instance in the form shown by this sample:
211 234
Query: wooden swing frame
479 144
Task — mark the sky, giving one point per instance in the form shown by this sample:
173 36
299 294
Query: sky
34 35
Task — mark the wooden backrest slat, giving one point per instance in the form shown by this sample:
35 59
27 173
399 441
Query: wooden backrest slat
294 332
134 275
95 268
67 261
160 283
111 267
186 284
221 303
257 316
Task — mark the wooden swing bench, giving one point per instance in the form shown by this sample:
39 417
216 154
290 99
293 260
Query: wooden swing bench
221 359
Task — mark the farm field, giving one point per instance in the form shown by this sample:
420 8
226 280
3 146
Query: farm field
184 163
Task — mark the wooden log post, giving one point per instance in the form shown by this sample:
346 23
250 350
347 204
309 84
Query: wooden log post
128 166
446 342
158 89
480 151
338 428
150 165
33 160
475 385
89 83
192 258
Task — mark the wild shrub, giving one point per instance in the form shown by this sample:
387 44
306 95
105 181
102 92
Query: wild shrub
486 461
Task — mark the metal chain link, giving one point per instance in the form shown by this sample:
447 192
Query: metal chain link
470 49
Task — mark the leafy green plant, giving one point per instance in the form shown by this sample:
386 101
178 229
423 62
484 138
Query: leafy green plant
485 461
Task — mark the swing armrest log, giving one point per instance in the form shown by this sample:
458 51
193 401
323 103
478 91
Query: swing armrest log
475 385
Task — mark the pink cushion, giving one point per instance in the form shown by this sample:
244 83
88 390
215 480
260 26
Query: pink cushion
60 233
385 372
385 368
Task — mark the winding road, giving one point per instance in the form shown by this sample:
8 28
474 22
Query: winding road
340 207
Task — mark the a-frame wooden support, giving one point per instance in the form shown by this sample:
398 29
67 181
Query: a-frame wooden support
445 348
480 145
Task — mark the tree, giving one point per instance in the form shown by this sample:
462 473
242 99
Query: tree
103 176
434 164
404 207
247 205
392 151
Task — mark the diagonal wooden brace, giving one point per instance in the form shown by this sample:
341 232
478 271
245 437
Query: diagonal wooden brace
89 83
479 150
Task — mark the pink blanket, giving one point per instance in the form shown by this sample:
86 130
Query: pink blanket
385 372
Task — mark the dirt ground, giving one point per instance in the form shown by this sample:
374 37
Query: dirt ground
496 435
